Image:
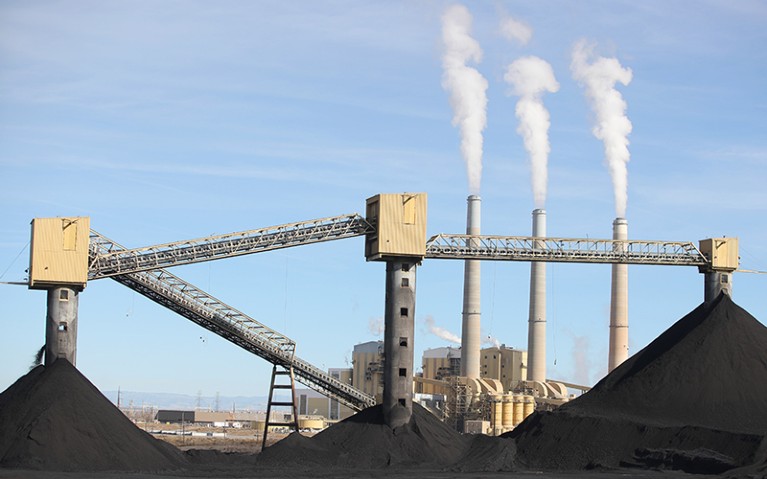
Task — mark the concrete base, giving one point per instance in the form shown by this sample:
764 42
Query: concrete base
61 325
399 323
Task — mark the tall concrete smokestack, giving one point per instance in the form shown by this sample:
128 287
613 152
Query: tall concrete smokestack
470 337
536 335
619 303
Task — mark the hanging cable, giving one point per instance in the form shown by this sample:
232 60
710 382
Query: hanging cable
14 260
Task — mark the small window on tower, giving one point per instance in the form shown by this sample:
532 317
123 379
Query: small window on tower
64 295
403 402
403 312
402 372
403 341
62 326
405 282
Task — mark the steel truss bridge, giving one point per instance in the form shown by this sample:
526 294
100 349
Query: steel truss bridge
142 269
564 250
235 326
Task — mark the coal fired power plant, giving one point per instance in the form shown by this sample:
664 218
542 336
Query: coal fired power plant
66 254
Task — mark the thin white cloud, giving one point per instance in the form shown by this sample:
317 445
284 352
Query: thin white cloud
515 30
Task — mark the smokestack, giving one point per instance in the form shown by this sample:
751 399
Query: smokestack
470 337
619 302
536 336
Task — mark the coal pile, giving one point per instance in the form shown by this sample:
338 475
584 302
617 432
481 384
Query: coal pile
694 399
53 418
364 441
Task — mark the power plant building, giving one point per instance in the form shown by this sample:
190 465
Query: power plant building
439 363
337 410
508 365
367 371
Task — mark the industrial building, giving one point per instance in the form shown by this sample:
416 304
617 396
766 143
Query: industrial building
339 411
236 419
508 365
312 403
367 362
438 364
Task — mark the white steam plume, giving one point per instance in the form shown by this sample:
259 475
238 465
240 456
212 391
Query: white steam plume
492 341
599 75
581 361
514 30
376 326
530 78
441 332
466 88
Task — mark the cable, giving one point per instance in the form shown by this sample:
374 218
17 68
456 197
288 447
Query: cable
14 260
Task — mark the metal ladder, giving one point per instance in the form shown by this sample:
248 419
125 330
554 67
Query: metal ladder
283 371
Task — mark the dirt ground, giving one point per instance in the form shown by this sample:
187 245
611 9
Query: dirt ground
236 472
241 441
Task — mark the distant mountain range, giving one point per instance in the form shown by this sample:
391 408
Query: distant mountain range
187 402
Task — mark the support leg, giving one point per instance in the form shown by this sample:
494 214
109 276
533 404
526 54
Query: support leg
61 325
399 319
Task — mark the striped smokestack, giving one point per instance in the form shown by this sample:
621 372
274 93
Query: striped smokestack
536 335
470 337
619 303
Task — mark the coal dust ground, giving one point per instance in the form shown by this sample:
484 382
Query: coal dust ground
694 401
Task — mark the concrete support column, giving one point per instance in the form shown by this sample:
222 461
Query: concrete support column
399 323
536 333
716 282
619 303
470 317
61 325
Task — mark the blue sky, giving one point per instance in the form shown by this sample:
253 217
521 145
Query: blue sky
169 120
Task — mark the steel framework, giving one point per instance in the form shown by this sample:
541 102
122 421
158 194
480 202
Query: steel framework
235 326
111 262
141 269
568 250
